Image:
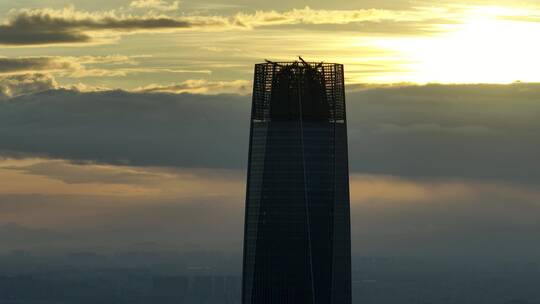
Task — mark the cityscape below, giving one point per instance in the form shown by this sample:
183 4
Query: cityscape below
147 274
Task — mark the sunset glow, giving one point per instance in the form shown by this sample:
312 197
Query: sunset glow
487 46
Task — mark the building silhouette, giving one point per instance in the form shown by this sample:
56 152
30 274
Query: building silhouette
297 222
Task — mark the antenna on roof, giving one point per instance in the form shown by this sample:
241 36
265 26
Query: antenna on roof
272 62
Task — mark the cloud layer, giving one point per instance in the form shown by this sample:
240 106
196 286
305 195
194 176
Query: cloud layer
71 66
68 26
438 171
200 86
158 129
476 131
15 85
100 205
435 131
32 64
48 26
159 5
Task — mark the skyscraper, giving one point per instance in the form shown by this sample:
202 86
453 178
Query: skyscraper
297 223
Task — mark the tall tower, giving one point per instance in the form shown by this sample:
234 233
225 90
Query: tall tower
297 244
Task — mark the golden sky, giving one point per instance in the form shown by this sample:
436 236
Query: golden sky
193 46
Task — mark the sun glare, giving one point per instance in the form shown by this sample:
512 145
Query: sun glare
490 45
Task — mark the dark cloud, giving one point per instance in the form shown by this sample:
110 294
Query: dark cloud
26 64
137 128
69 26
454 131
476 131
10 35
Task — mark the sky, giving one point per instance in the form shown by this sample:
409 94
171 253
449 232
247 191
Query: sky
128 121
210 47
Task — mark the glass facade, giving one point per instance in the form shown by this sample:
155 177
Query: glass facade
297 223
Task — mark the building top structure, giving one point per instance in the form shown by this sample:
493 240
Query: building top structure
283 90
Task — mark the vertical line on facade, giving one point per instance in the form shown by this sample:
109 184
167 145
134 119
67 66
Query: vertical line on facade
306 198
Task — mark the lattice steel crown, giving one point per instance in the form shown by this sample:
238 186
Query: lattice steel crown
286 90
